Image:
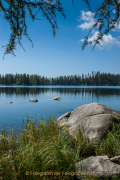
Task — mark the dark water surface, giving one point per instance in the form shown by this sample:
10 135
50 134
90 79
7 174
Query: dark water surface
12 115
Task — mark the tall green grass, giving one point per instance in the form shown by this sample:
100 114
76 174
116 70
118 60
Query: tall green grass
45 147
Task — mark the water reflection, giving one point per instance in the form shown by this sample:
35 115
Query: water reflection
12 115
69 91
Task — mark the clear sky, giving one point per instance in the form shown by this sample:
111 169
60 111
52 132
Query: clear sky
63 54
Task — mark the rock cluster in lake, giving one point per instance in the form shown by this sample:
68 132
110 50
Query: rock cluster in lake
35 100
93 120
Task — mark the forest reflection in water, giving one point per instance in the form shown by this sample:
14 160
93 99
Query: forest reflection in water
96 91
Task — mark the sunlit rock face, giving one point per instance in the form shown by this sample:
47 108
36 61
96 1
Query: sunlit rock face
92 119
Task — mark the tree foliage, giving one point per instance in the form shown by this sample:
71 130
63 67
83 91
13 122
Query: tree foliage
95 79
107 17
15 13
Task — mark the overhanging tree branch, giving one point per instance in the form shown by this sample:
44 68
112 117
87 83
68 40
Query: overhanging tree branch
105 21
15 13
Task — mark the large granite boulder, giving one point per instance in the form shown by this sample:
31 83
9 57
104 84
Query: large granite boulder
99 166
92 119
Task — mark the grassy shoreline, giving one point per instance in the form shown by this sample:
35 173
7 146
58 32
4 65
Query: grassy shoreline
47 148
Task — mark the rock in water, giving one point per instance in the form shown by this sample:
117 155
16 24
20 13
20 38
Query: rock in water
33 100
57 98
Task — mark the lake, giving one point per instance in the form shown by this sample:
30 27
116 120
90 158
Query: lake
12 115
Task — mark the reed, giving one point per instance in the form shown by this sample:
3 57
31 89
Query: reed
43 147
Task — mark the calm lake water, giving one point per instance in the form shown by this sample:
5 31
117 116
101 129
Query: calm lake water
12 115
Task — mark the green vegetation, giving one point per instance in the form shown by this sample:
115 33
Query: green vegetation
95 79
15 13
44 147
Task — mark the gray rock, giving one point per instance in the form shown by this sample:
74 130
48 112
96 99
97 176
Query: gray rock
57 98
63 119
64 115
115 159
100 166
33 100
92 119
94 127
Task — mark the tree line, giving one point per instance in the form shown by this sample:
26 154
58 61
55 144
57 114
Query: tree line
94 79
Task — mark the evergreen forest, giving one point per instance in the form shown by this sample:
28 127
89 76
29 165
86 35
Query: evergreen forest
93 79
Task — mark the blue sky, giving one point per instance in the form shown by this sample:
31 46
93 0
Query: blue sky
63 54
